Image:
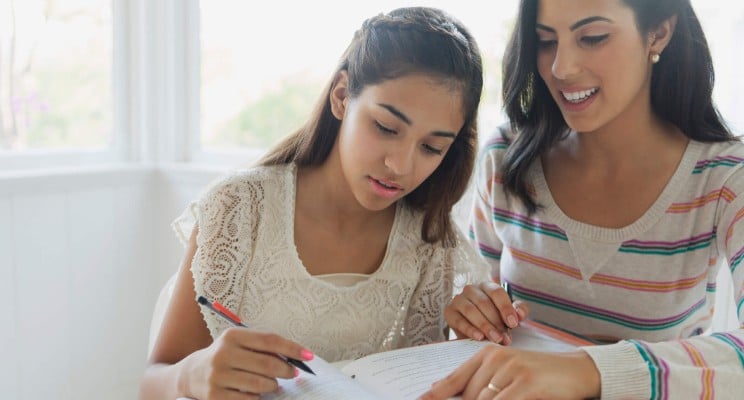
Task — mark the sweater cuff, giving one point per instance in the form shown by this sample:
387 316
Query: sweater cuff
623 372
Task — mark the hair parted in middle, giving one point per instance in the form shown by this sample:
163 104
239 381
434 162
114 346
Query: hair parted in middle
409 40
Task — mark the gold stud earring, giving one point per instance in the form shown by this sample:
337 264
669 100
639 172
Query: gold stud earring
655 58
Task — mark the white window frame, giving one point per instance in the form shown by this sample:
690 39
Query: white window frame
156 93
195 152
115 151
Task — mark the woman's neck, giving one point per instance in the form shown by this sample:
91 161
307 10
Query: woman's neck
324 194
631 140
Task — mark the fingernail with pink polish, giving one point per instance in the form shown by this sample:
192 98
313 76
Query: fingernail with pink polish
307 355
297 372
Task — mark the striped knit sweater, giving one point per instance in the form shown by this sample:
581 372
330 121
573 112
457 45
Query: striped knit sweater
649 288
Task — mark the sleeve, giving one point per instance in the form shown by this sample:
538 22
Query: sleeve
481 229
709 366
469 268
443 275
424 320
184 224
225 215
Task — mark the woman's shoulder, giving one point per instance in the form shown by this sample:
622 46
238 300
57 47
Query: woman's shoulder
733 149
251 176
495 145
720 157
500 138
240 182
721 164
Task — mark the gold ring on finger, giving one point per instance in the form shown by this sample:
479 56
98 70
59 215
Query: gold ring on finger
493 388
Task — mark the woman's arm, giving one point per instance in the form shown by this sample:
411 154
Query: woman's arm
185 362
483 310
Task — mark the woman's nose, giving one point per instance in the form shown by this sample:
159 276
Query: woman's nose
400 159
566 62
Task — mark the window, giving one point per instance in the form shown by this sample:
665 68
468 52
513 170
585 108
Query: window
193 81
262 73
723 24
55 75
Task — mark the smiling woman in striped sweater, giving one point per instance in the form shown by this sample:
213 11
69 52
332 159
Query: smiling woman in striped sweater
608 206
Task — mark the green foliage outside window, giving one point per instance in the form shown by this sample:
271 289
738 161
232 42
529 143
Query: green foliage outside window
265 121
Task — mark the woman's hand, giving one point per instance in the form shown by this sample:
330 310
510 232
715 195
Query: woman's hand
240 364
484 311
516 374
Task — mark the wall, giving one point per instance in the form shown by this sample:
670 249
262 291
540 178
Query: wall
82 257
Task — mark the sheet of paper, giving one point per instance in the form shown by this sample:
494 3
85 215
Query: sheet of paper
407 373
329 383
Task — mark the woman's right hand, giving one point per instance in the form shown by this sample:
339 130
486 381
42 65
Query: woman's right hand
185 361
240 364
484 311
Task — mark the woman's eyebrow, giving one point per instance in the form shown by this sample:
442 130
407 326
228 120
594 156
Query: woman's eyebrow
407 120
576 25
449 135
396 112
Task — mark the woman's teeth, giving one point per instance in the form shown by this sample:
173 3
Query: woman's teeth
578 97
386 186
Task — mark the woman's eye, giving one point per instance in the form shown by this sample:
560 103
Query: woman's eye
384 129
432 150
594 40
546 43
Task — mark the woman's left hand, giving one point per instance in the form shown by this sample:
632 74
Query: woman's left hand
499 372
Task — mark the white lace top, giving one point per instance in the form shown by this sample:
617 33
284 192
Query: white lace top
247 260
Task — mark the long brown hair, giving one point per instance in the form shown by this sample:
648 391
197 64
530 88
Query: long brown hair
388 46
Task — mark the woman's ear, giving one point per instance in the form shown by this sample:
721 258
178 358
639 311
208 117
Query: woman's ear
660 37
340 94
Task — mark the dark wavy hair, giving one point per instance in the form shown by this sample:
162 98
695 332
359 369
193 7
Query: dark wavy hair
681 88
388 46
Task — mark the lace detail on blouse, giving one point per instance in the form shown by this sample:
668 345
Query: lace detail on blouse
246 259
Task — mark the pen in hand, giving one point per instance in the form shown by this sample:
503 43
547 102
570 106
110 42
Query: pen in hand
508 290
223 312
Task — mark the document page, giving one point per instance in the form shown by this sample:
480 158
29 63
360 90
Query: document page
329 383
407 373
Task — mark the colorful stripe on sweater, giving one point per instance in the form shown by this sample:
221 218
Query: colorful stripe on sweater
610 280
658 370
707 373
725 161
734 342
643 324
